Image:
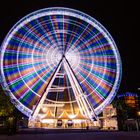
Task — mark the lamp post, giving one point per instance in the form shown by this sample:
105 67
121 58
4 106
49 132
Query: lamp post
138 113
138 119
139 99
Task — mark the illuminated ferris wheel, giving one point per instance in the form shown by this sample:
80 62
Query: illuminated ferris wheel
61 58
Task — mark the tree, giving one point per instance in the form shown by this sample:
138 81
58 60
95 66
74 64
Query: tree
8 112
122 113
6 107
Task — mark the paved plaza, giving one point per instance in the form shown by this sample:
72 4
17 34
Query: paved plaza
73 135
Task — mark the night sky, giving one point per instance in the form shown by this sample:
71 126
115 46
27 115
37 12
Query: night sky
120 18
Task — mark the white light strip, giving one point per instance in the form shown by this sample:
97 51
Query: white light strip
86 109
36 111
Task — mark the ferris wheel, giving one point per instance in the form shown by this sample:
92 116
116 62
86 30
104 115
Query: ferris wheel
59 55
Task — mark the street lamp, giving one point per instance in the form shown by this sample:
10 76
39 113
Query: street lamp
139 98
138 113
138 120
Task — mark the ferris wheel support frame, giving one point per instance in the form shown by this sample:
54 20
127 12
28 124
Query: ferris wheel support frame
40 102
85 108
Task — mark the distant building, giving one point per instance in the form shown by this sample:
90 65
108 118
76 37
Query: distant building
109 118
130 99
130 104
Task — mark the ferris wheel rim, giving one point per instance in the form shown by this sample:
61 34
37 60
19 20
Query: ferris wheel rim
81 14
